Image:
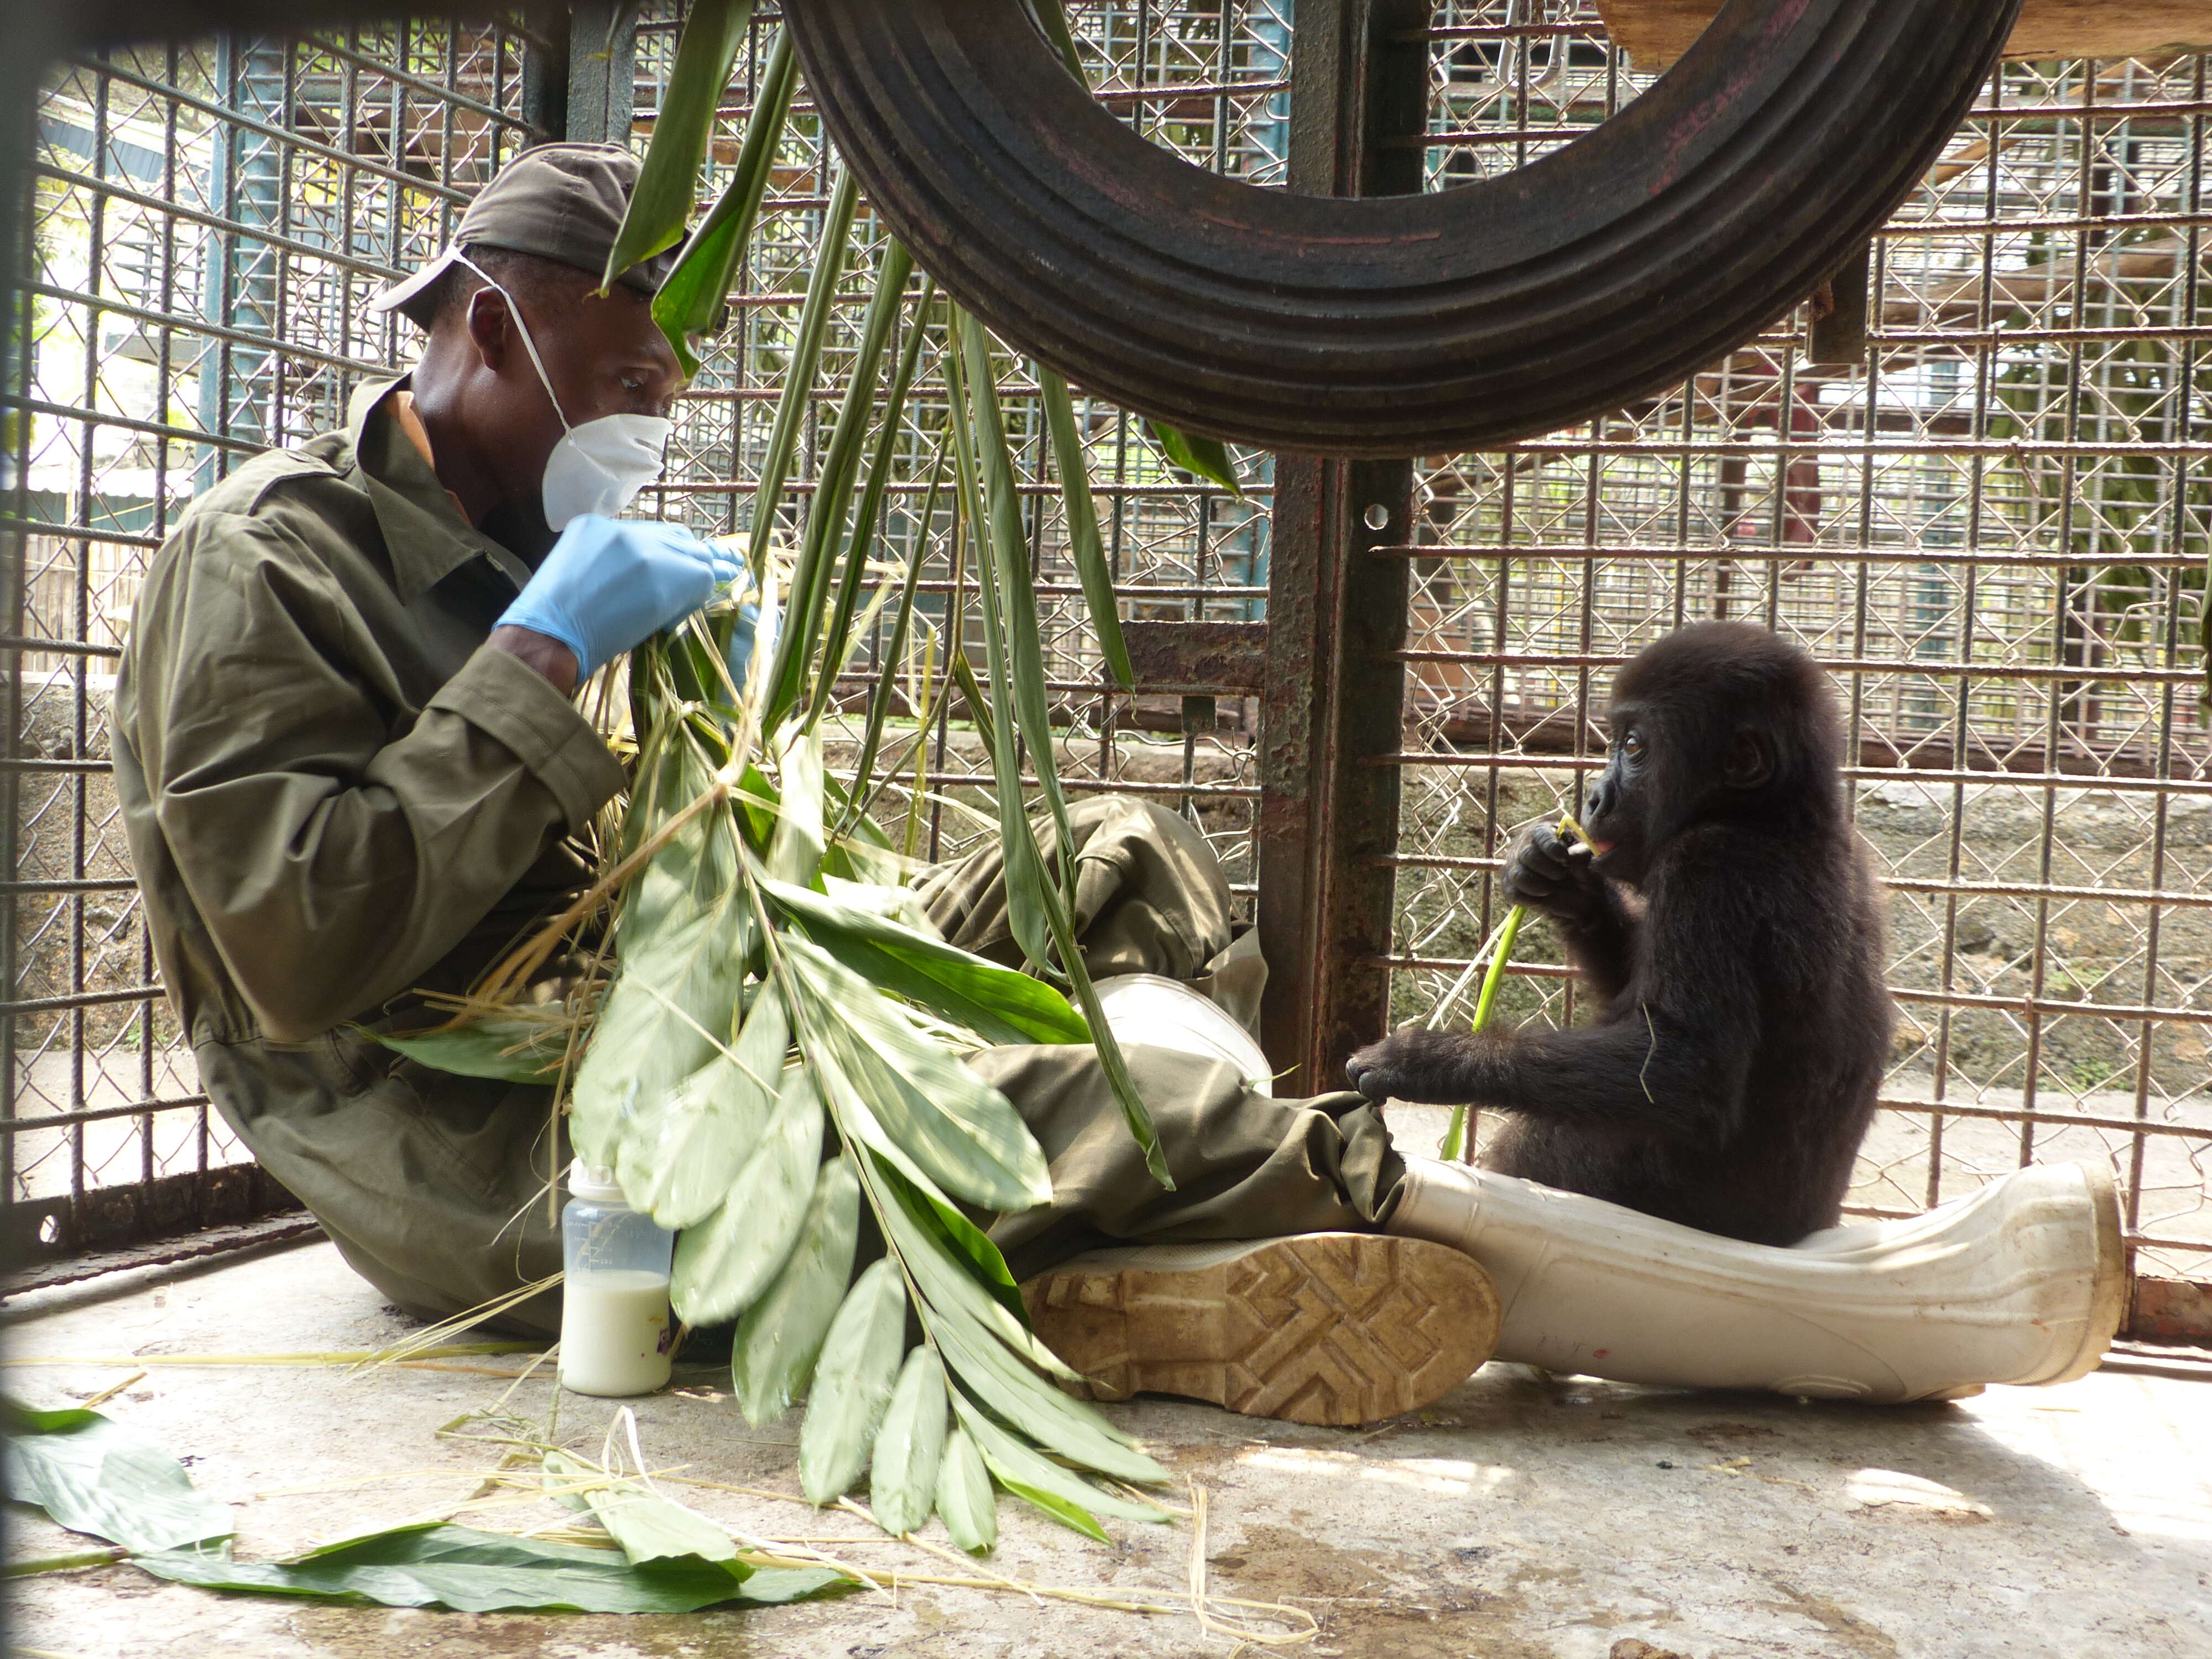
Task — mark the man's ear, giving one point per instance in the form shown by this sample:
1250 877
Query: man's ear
1748 760
490 327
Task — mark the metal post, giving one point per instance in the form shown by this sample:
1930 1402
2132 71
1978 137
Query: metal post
602 71
1336 618
545 76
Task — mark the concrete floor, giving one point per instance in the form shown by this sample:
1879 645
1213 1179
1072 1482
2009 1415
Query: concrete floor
1523 1517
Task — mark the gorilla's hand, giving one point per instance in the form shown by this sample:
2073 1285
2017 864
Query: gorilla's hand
1415 1064
1542 873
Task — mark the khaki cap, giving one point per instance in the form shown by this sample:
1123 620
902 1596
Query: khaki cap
560 202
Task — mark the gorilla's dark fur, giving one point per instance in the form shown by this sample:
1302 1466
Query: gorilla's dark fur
1733 932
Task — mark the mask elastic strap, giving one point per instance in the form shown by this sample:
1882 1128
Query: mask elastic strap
528 345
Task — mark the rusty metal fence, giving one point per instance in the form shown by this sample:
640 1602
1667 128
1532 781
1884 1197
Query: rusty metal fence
1970 486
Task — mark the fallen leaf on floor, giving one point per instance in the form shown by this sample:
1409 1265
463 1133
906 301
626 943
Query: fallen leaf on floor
93 1476
436 1565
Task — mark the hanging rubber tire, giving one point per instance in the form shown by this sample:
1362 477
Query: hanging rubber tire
1401 325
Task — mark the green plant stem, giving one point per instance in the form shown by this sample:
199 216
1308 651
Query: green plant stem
1457 1145
837 641
45 1564
825 516
798 372
879 699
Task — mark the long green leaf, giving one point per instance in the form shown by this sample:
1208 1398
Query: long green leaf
778 1340
650 1527
957 1270
864 536
1203 457
1134 1112
964 1494
1085 545
853 1383
723 1265
504 1049
1017 1467
646 1525
1025 868
908 1446
825 515
691 298
1034 905
91 1474
1023 1398
695 867
681 1152
433 1566
1065 1511
671 1001
798 372
993 1001
794 853
668 182
1052 18
954 1126
978 700
1006 579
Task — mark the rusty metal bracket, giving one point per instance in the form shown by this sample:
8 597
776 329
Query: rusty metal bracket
1406 323
1839 334
1215 659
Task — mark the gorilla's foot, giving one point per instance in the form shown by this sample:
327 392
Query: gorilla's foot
1329 1329
2021 1282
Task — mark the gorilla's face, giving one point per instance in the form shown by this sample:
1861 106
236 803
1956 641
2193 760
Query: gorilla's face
1675 762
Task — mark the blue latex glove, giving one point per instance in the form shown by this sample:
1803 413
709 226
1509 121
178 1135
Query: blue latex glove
610 583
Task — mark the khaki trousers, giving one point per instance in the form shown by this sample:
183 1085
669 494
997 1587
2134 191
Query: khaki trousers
433 1187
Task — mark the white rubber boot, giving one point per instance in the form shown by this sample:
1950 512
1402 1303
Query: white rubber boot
2021 1282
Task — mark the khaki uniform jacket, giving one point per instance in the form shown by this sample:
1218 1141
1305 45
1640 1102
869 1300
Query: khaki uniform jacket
336 793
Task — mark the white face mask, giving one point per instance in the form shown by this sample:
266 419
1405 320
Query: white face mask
599 466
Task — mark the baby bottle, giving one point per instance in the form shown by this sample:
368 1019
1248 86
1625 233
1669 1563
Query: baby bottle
615 1329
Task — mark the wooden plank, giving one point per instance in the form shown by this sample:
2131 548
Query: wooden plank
1655 33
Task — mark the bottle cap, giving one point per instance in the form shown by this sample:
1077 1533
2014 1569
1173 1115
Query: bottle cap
590 1181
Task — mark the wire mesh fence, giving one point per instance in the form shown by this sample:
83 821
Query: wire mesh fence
1984 515
205 221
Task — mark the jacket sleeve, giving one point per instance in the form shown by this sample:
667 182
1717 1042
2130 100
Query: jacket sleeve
335 850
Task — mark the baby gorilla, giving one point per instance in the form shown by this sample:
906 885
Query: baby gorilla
1731 929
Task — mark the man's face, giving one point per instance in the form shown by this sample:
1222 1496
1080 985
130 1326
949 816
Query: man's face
605 356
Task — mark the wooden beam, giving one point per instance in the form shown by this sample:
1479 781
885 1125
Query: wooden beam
1655 33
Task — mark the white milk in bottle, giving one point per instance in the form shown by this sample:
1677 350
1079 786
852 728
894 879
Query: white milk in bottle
615 1324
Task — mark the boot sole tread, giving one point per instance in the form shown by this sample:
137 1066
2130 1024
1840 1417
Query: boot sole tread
1330 1329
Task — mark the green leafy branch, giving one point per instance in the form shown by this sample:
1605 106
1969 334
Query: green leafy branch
776 1052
